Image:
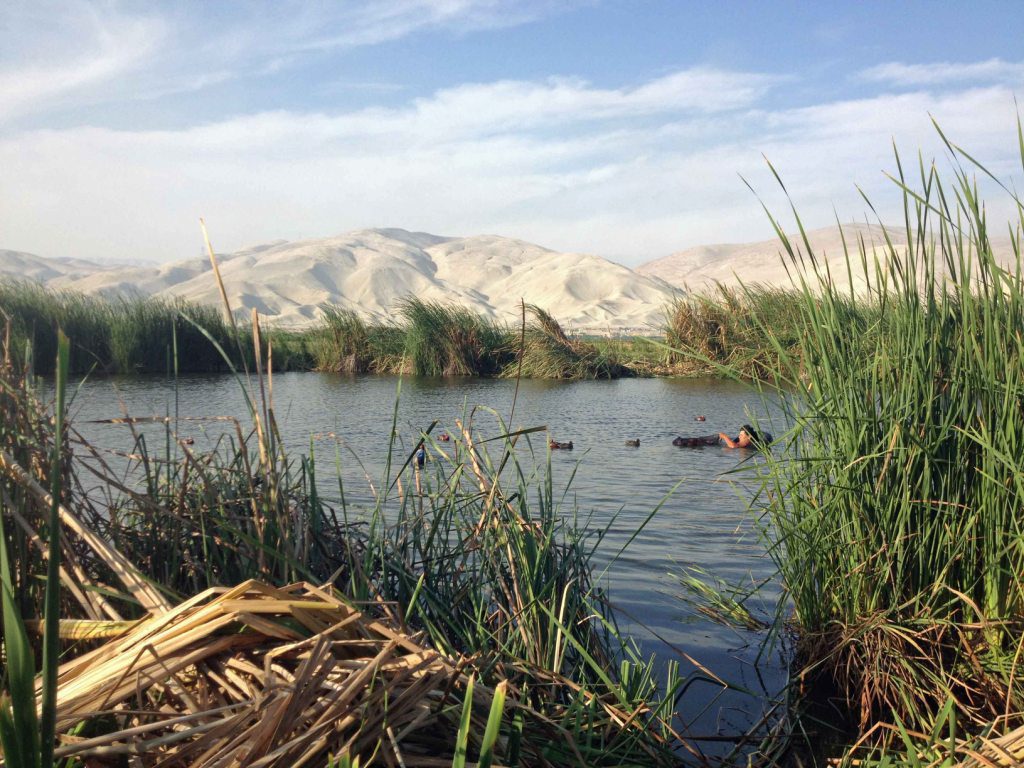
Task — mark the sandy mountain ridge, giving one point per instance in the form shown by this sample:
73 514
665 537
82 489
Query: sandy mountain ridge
27 266
699 268
370 270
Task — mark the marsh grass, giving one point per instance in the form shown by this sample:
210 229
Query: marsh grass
744 331
549 353
129 335
143 332
142 335
346 343
449 340
893 502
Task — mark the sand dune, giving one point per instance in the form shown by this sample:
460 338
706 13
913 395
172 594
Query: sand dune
370 270
26 266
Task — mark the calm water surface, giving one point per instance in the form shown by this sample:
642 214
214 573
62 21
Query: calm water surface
702 522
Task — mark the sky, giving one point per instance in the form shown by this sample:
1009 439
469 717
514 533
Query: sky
627 129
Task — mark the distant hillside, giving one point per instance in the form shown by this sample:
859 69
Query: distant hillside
25 266
729 264
369 270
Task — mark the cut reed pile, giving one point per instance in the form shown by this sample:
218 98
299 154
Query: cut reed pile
258 676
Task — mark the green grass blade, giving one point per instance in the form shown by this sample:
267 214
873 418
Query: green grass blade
493 725
51 617
462 736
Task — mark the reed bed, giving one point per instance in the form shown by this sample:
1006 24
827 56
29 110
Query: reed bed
449 340
152 335
435 339
744 331
893 501
346 343
548 353
128 335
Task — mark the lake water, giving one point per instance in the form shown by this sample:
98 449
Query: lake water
703 523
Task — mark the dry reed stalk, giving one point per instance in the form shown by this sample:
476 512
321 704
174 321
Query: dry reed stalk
85 629
258 676
93 603
147 595
1006 751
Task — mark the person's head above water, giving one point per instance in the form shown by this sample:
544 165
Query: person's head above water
756 436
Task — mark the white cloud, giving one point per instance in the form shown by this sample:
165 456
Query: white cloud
632 173
944 72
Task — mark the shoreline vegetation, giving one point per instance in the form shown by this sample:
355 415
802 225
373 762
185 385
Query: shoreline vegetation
892 504
458 620
703 335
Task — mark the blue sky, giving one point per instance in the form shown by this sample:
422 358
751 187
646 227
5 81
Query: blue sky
617 128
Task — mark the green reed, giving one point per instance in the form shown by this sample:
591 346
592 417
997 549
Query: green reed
549 353
138 335
743 331
129 335
434 339
142 331
894 500
449 340
27 738
344 342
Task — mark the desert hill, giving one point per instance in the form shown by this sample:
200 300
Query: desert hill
699 268
369 270
26 266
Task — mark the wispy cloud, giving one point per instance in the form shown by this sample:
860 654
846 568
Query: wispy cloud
59 54
73 52
379 22
944 72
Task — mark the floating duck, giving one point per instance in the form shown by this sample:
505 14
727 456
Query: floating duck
444 437
633 443
699 418
555 445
